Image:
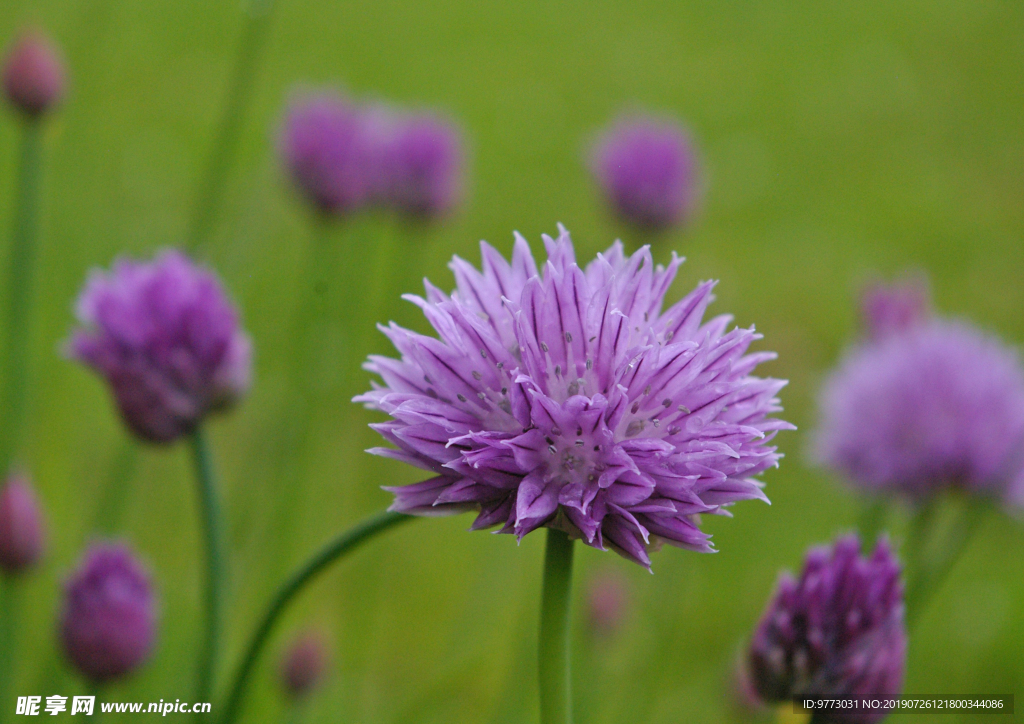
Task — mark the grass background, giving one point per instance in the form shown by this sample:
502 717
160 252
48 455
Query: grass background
838 139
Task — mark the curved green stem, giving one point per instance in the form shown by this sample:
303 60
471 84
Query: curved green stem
211 192
211 518
930 572
347 541
19 292
871 523
555 680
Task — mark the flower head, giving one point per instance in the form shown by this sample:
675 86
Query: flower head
167 339
304 664
893 308
938 405
326 148
109 619
33 75
647 170
566 397
837 632
21 526
424 169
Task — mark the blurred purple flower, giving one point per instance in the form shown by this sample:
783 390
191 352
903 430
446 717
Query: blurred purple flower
109 621
304 664
938 405
21 526
836 633
33 74
424 171
325 147
567 398
607 602
168 341
894 308
647 171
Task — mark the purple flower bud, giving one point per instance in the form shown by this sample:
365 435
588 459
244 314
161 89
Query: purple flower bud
109 621
837 632
325 147
424 173
893 308
167 339
34 74
647 171
607 602
304 664
938 405
21 526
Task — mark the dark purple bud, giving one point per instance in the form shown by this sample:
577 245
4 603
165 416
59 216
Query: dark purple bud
647 171
892 308
304 664
424 171
109 621
167 340
34 74
607 602
21 526
837 632
326 149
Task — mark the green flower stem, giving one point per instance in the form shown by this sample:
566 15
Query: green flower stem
9 590
19 292
871 523
555 680
114 496
929 571
239 96
334 550
211 521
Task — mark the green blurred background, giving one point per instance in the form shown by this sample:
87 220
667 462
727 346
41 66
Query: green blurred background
838 139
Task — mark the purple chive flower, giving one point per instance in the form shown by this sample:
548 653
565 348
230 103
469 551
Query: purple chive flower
836 633
424 169
21 526
168 341
894 308
566 397
109 619
647 171
938 405
33 75
304 665
326 148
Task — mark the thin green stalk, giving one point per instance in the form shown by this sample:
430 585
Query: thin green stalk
344 543
113 497
19 292
919 532
931 571
555 680
211 191
871 522
302 404
212 528
9 587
